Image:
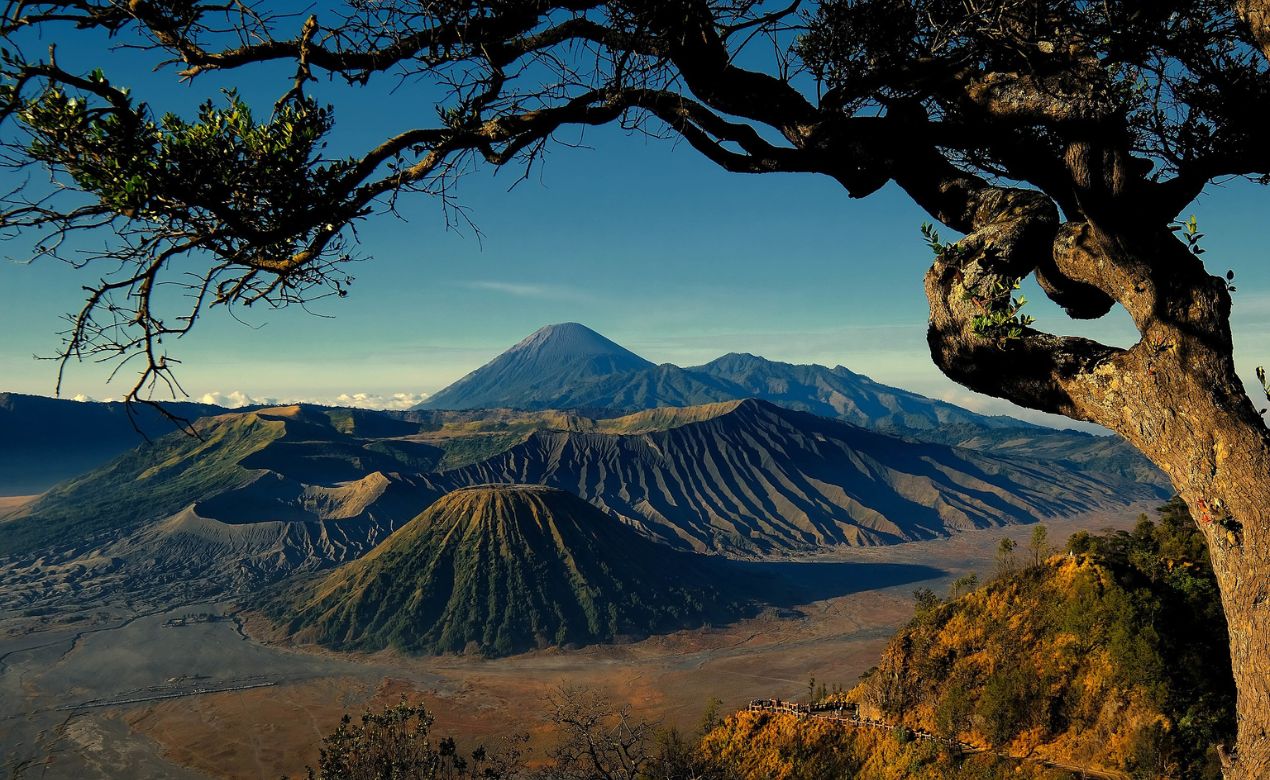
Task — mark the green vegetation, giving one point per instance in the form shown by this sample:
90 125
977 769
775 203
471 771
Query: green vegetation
499 570
465 450
1111 655
147 483
395 744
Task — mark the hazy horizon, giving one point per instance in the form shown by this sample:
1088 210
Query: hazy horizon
694 348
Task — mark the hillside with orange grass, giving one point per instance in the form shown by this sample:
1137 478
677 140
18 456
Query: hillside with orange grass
1109 657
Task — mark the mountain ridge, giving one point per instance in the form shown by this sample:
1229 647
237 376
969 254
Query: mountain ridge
275 491
548 370
753 477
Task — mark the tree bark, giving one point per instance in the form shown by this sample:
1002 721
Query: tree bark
1174 395
1196 423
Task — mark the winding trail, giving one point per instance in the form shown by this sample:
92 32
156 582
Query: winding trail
159 696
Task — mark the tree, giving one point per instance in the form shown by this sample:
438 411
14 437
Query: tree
1038 545
598 740
394 744
1005 556
1063 139
712 717
962 585
924 600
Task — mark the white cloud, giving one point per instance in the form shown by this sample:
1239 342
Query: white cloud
528 290
394 401
234 400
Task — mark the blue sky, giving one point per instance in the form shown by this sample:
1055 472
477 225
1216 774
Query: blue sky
638 238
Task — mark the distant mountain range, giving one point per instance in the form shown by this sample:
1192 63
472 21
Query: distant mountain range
570 366
46 440
268 492
563 375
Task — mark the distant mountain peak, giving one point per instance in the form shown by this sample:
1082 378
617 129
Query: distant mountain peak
572 340
564 328
567 353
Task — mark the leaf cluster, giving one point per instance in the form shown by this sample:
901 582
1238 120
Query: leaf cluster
999 314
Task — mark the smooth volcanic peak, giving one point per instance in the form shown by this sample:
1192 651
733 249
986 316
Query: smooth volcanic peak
551 357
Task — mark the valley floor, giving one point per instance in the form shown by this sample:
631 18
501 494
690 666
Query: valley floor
123 695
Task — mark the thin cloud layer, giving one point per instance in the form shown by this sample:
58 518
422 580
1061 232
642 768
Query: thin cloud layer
395 401
528 290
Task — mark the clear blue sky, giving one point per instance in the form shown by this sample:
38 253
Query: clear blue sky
641 239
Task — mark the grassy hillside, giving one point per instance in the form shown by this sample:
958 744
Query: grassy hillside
146 483
160 478
1110 656
499 570
774 746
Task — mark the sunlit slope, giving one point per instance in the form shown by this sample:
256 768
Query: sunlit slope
501 569
263 465
146 483
46 440
1111 660
751 477
1114 656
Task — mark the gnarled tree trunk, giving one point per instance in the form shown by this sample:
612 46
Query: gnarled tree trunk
1174 395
